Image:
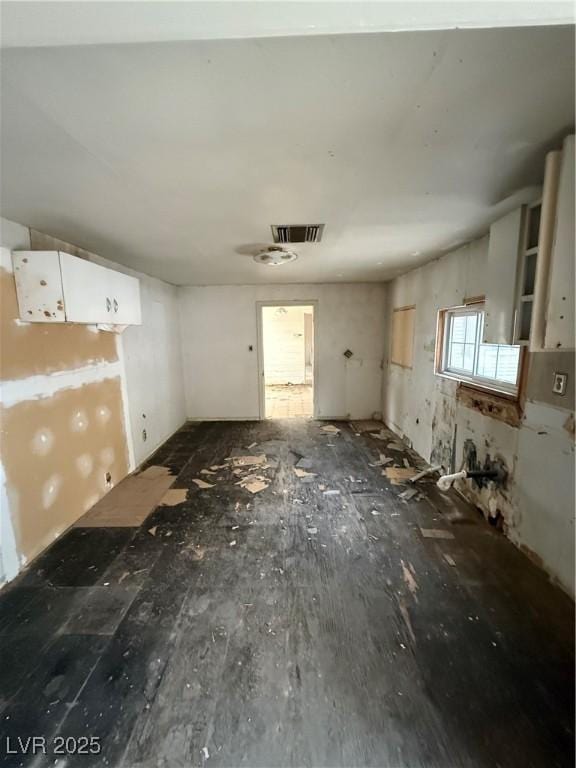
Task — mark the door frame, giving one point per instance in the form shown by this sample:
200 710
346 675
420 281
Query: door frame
260 327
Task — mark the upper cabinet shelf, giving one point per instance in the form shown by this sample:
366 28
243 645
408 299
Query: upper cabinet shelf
530 266
56 287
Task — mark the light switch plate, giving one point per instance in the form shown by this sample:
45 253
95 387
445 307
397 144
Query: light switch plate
559 385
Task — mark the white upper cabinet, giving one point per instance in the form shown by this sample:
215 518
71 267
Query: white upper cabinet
502 273
560 299
553 321
53 286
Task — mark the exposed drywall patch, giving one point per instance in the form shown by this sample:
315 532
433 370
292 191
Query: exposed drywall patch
40 348
49 490
47 385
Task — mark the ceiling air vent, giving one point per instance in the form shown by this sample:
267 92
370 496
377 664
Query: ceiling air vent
297 233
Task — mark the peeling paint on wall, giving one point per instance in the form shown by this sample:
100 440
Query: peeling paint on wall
536 505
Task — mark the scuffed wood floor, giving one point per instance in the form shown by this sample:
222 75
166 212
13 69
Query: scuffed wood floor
290 627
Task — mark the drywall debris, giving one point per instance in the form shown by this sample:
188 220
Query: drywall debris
331 493
254 483
247 461
205 753
399 475
407 622
304 463
207 472
382 435
201 483
396 446
174 496
409 576
233 543
302 472
436 533
312 530
366 426
406 463
375 512
450 560
382 461
427 471
152 531
252 446
408 494
330 429
216 467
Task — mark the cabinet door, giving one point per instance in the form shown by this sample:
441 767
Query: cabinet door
125 296
560 308
86 290
501 275
39 286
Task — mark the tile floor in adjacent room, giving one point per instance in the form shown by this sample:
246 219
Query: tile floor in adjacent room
324 620
288 401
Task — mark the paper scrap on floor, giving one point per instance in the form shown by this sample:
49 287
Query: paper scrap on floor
436 533
254 483
248 461
382 461
399 475
202 483
303 473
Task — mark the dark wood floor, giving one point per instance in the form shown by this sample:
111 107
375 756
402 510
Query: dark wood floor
332 633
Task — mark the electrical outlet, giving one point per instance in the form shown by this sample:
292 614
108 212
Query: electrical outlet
559 385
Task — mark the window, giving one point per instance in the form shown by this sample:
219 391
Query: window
402 336
463 356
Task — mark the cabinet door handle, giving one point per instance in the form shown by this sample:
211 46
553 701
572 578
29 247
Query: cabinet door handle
115 306
108 304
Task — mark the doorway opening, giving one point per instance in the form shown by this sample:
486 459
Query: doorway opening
287 348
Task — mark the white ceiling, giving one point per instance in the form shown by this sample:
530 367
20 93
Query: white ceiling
174 157
79 23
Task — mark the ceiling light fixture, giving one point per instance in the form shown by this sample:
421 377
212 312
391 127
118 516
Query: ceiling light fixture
275 256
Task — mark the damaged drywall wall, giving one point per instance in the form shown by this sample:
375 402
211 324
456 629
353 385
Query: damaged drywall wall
62 420
442 421
68 392
153 384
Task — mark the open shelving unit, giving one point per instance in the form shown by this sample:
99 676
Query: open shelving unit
528 259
